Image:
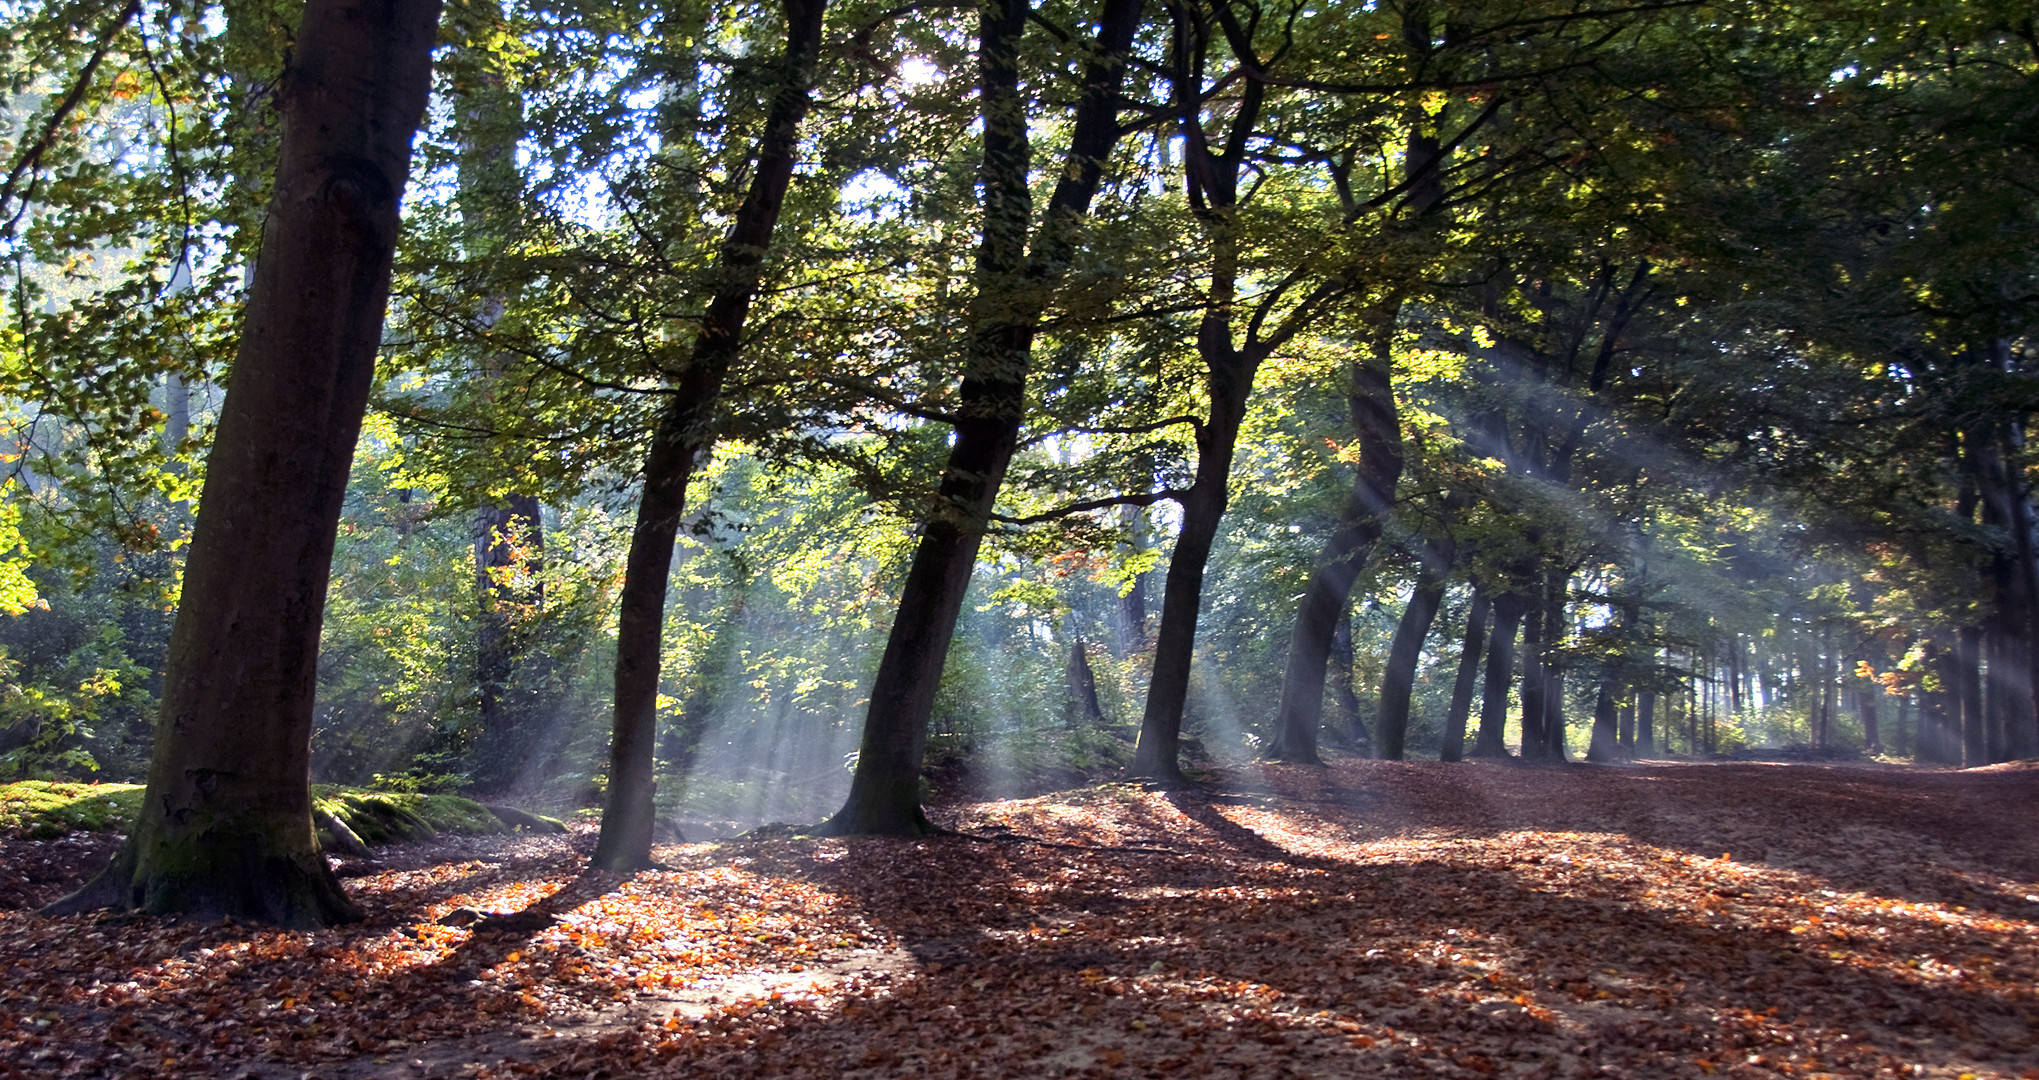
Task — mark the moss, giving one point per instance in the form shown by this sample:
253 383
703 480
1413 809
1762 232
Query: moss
42 810
381 817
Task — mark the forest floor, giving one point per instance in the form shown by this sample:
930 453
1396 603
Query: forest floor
1370 918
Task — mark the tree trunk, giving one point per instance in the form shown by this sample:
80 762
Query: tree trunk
1997 691
1734 673
1079 695
1378 427
1898 742
1968 655
1012 291
2007 504
1398 682
1157 755
1468 675
1553 669
1605 743
1491 741
1342 693
1935 707
226 827
1872 737
1825 667
1534 684
1646 724
1212 182
684 434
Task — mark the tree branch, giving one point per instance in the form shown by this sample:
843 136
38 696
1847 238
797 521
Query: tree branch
1087 505
31 155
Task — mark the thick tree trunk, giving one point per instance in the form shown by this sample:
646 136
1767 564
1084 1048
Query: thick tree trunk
1212 181
226 827
1378 427
1012 291
684 434
1491 740
1157 755
2007 503
1398 681
1605 744
1343 696
1468 677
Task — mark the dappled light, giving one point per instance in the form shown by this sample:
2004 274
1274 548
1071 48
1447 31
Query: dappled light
1221 538
1481 920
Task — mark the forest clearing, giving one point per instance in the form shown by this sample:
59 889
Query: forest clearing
1370 918
1457 538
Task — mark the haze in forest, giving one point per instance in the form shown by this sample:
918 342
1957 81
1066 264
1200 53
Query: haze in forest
806 412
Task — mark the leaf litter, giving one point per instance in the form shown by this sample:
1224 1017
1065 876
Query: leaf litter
1467 921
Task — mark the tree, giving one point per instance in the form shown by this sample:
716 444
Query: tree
1015 280
226 826
685 430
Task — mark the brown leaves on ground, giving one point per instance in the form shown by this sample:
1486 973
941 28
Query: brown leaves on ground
1371 918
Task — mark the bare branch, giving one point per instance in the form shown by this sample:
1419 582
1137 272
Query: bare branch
1087 505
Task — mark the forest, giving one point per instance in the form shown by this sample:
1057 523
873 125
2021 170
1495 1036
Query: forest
635 446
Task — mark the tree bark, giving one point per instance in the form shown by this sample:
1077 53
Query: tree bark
1342 693
1606 741
1872 736
1375 421
1131 622
1012 292
1491 740
1534 684
1968 657
226 822
1079 693
1157 754
1824 665
1646 724
1468 675
683 435
1211 179
1398 681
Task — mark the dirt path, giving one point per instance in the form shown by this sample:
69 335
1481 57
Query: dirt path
1370 918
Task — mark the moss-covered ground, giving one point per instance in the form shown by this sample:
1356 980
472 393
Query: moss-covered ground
43 810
